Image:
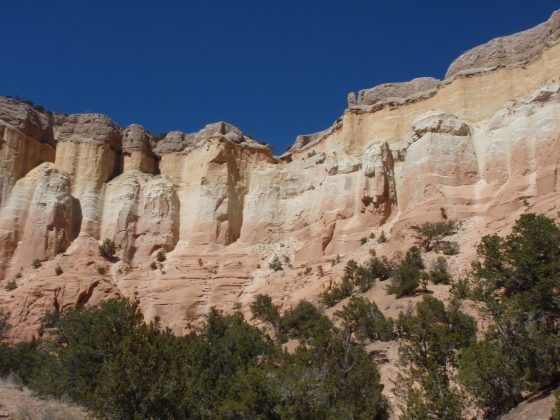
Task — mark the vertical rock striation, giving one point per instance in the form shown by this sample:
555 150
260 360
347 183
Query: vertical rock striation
483 144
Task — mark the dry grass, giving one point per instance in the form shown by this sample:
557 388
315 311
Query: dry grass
18 402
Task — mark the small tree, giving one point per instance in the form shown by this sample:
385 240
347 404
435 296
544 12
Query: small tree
405 276
433 336
337 293
364 319
518 279
36 263
161 257
4 325
429 234
306 323
336 260
263 310
107 249
405 280
11 285
491 377
382 238
424 278
414 257
58 270
439 273
276 264
447 247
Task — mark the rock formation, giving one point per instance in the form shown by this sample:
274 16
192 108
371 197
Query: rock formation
483 144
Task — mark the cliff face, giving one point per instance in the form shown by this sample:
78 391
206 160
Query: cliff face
483 144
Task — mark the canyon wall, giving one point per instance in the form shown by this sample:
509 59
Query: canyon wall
483 144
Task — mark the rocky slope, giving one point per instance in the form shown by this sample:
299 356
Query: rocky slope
483 144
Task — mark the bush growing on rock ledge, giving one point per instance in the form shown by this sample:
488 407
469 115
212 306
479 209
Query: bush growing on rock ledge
447 247
36 263
429 235
276 264
362 318
382 238
107 249
405 277
11 285
336 260
337 293
439 274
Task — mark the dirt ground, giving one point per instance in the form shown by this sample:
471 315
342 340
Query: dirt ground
19 403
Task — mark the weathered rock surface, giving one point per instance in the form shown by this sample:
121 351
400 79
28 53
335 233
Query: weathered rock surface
175 141
141 214
26 140
137 150
513 50
39 219
24 118
90 129
484 147
399 93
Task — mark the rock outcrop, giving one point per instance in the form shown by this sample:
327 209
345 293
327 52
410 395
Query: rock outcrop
483 145
399 93
137 150
141 214
26 140
39 219
508 51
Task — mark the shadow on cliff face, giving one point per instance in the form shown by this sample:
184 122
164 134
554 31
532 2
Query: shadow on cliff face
76 218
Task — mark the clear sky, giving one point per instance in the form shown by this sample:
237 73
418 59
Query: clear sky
275 69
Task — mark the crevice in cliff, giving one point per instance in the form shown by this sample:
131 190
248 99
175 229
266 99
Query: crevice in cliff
157 162
85 296
118 166
76 218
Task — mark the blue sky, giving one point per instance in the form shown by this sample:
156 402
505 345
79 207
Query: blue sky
275 69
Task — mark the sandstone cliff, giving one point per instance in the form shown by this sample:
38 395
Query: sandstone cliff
483 144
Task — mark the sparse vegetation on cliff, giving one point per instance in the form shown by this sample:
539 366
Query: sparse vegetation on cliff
10 285
430 234
405 276
382 238
107 249
363 319
276 264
